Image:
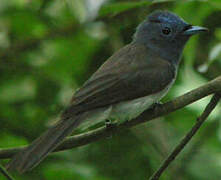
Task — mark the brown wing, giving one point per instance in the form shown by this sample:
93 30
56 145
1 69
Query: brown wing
130 73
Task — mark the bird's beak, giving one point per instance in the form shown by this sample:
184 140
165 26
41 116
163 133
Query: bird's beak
194 30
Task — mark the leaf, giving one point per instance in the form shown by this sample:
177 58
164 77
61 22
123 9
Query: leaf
191 80
215 52
77 8
17 89
8 140
116 8
215 3
214 55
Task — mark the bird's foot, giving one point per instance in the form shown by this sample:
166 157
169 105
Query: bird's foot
109 124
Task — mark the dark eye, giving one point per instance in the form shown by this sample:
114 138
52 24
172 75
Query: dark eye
166 30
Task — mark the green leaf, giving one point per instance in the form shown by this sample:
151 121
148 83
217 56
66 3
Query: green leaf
17 89
8 140
116 8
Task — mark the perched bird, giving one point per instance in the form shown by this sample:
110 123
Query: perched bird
129 82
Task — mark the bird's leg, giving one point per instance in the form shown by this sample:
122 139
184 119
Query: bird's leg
109 124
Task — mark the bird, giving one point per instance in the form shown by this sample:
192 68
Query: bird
133 79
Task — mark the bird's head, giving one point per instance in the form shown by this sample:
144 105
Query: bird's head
166 34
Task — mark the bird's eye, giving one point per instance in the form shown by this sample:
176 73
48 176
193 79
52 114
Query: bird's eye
166 31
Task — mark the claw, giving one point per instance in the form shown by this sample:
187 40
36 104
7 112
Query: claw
109 124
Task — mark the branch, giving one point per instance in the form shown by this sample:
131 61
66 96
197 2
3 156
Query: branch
211 87
209 108
189 156
5 173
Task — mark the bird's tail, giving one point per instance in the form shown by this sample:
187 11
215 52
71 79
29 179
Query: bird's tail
32 155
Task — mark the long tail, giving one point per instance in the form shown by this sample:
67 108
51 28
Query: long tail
39 149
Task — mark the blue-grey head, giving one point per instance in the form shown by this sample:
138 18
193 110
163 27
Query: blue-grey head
166 34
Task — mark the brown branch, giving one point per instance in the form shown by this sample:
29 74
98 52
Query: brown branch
209 108
211 87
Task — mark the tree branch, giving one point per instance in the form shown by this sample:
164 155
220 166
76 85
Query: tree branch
5 173
209 108
189 156
211 87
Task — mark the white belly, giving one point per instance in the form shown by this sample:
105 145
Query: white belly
128 110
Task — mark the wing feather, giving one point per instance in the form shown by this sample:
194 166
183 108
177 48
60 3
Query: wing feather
114 82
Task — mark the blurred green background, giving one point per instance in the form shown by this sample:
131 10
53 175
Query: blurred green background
48 48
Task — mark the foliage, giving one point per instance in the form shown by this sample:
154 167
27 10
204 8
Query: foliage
49 48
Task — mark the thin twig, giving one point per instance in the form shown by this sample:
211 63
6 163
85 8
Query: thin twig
5 173
209 108
211 87
194 149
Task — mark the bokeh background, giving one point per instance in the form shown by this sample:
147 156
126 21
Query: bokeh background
48 48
